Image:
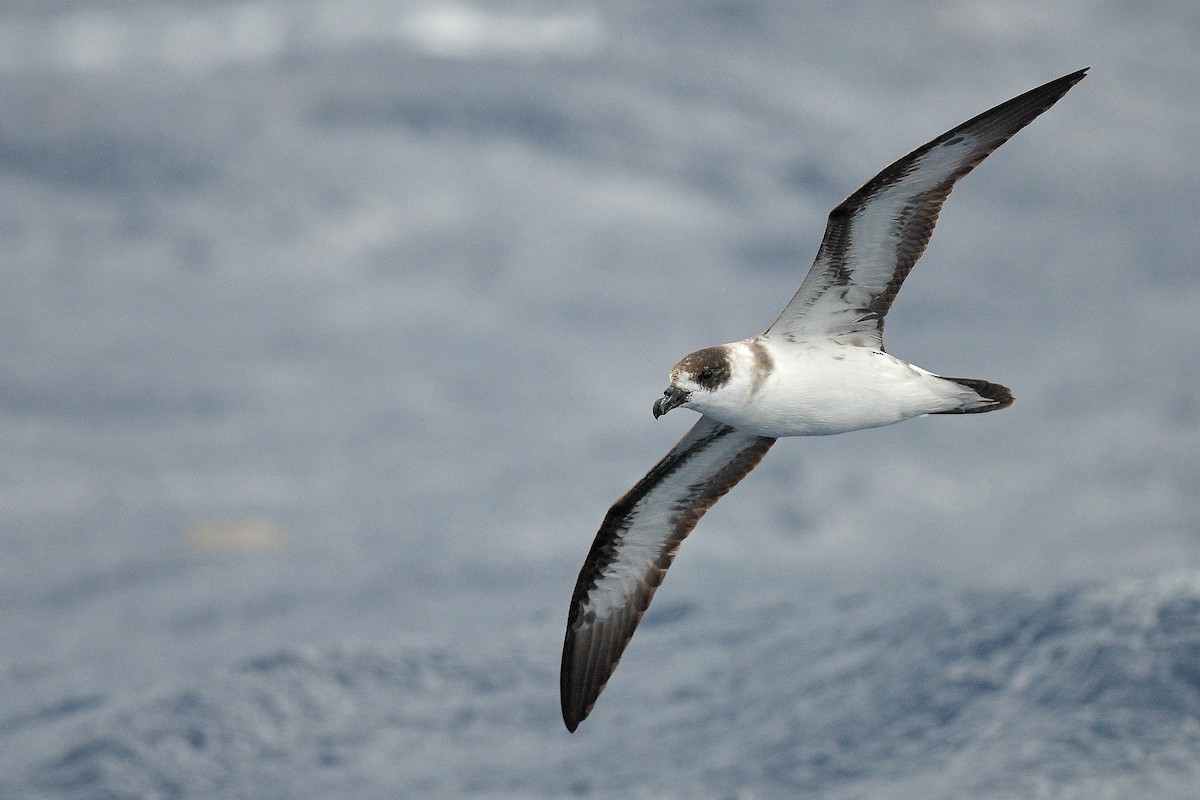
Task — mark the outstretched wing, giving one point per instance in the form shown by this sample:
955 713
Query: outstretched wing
634 548
876 235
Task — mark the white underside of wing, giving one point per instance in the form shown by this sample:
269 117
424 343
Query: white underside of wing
848 274
871 252
637 552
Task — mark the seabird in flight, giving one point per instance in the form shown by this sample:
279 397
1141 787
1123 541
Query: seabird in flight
819 369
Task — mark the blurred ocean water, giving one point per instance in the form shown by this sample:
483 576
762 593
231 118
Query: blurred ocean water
330 330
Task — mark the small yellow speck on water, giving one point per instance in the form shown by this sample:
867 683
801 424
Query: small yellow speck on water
237 535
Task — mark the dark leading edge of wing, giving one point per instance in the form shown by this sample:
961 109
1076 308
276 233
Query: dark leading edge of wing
875 236
634 548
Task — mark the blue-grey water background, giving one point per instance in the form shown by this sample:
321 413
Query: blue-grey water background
329 330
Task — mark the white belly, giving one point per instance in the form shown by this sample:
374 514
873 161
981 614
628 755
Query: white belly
834 389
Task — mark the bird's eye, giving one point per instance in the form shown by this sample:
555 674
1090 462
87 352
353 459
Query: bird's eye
705 374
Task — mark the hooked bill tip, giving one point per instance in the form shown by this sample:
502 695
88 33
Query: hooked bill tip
673 397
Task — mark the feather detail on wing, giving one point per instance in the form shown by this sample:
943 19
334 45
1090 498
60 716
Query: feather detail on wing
635 546
876 235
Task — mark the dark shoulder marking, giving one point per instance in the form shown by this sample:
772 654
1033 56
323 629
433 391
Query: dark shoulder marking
763 363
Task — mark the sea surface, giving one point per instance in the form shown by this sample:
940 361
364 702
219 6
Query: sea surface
330 329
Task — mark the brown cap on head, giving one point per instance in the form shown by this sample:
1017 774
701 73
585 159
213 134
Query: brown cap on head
710 367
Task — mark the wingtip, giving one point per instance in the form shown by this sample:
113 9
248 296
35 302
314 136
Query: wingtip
573 712
573 715
1062 85
1070 79
577 704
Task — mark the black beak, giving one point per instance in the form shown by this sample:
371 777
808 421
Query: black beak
672 398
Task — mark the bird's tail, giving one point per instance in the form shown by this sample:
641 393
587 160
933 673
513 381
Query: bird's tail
988 396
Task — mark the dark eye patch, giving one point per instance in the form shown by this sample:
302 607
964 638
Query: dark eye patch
710 367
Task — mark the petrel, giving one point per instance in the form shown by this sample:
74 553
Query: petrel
819 369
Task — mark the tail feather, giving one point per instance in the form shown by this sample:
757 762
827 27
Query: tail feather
992 396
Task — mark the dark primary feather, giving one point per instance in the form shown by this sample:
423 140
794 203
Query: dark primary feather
875 236
706 463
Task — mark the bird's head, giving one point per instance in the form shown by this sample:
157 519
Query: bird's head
698 380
